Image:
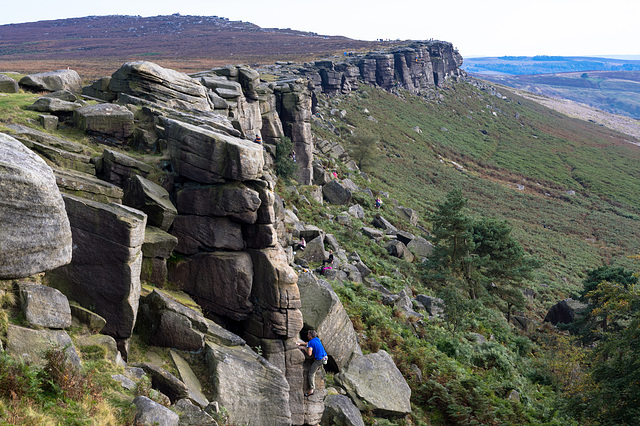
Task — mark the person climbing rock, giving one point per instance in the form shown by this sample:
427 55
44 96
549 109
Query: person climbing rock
258 140
313 348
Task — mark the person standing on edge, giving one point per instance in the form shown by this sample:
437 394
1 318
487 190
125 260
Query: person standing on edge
315 349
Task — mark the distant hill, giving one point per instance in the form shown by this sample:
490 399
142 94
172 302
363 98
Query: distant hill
96 44
521 65
610 85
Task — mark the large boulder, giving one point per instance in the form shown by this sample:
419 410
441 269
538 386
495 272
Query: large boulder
104 274
407 214
336 193
565 311
151 198
374 382
153 83
35 235
323 311
53 81
53 105
32 345
108 119
420 247
207 156
263 387
44 306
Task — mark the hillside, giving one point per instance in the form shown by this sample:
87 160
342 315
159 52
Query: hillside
96 45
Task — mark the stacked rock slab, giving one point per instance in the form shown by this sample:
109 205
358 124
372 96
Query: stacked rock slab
294 109
232 262
104 274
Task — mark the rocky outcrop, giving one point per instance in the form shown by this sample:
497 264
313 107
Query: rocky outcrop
34 228
31 345
152 199
294 109
206 156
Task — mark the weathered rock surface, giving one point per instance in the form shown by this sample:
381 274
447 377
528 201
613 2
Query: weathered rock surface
233 200
87 186
165 382
149 412
373 381
109 119
117 168
167 323
44 306
323 311
221 281
105 271
340 411
8 85
151 198
150 81
190 380
191 415
336 193
53 105
203 233
210 157
31 345
53 81
264 388
34 228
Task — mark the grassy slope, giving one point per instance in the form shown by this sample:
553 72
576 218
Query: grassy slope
525 144
520 162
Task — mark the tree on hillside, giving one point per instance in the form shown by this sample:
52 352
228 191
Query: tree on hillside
502 262
364 151
453 241
482 254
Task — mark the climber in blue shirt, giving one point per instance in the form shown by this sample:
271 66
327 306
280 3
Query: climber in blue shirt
315 349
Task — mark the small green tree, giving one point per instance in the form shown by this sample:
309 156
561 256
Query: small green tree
363 150
503 264
452 238
285 164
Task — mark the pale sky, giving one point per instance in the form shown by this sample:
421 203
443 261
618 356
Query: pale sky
475 27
